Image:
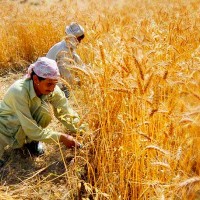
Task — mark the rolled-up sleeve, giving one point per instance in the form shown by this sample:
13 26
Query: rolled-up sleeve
63 111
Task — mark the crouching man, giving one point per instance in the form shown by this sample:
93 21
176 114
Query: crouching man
26 111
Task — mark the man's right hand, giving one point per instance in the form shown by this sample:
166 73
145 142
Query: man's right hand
69 141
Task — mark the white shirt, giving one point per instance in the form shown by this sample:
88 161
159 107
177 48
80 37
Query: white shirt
65 55
58 47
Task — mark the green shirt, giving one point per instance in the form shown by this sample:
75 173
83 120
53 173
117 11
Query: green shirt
18 111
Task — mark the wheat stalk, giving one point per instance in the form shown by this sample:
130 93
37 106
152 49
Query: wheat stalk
189 182
158 149
140 86
148 82
139 68
65 83
102 53
165 74
171 129
144 135
195 95
122 90
79 70
162 164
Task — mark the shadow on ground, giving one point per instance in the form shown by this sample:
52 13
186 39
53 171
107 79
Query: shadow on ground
21 166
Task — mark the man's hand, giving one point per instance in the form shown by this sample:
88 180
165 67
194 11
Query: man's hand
69 141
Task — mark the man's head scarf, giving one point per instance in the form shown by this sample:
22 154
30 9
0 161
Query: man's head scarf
74 29
45 68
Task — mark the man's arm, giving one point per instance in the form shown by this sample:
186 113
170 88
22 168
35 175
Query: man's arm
64 113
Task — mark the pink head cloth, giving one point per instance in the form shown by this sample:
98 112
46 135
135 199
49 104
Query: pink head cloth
45 68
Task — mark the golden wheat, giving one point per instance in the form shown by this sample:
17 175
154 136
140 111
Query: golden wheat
140 88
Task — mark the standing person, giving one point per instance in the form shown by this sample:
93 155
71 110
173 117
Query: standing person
25 111
64 52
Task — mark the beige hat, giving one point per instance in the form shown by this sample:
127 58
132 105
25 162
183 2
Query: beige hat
74 29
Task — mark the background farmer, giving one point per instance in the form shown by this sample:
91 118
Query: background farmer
64 52
25 110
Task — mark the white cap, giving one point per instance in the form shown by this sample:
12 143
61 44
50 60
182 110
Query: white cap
74 29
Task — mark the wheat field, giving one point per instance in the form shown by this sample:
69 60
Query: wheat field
140 95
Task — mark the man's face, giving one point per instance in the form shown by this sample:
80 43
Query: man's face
44 87
80 38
